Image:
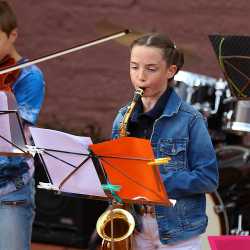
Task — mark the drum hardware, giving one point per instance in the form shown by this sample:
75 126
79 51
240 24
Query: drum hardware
246 156
223 207
230 205
195 80
218 223
236 116
203 92
219 91
234 168
229 115
219 208
238 230
229 99
217 213
190 91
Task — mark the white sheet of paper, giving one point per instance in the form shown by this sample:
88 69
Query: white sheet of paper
9 127
85 180
5 126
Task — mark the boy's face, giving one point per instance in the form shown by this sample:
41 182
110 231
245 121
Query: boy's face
6 43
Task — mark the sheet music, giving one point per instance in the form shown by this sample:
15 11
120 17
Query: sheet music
5 127
85 180
9 126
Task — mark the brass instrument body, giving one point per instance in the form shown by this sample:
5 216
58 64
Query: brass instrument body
116 226
123 128
119 245
123 227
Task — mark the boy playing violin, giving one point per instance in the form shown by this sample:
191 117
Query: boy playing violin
16 183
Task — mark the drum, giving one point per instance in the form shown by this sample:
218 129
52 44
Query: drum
231 200
234 187
196 89
236 116
217 218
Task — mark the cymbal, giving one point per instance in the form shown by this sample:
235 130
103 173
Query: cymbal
106 27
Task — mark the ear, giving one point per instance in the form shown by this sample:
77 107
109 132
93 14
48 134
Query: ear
13 35
171 71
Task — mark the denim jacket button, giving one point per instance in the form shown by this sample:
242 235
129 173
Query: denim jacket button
161 149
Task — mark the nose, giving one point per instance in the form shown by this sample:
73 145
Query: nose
142 75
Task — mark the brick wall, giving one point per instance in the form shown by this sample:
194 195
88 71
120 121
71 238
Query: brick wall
87 87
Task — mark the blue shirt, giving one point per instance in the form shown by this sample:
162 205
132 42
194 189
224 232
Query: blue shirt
29 90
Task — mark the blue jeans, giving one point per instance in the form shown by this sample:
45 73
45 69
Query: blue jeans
16 218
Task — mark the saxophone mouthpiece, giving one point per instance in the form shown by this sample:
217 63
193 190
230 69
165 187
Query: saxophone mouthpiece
139 91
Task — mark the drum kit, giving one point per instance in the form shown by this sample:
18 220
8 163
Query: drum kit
228 208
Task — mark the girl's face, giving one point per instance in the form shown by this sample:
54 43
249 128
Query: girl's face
149 70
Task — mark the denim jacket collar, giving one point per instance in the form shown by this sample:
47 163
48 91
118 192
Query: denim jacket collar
173 105
171 108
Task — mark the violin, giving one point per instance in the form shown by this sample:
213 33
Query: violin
8 79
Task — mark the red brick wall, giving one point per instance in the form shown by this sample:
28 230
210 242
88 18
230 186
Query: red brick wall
88 87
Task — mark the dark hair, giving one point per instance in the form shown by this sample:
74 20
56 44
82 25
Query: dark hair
8 20
171 54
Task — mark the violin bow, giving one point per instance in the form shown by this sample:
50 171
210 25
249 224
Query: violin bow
67 51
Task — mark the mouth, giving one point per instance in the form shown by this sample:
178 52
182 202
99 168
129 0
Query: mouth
143 88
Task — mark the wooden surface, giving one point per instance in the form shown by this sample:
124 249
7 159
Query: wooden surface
92 84
39 246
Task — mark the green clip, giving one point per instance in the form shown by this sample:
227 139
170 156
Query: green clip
113 189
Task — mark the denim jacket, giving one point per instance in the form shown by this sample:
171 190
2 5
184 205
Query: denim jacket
181 133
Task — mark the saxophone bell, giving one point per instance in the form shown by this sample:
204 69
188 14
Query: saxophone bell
123 223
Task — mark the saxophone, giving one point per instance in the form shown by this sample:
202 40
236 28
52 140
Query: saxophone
124 124
123 221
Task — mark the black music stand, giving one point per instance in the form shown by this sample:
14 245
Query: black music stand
12 139
87 167
233 54
107 170
77 167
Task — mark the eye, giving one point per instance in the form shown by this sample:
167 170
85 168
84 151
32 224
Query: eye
134 67
152 69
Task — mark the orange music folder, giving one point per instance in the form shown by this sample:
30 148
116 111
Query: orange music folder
125 161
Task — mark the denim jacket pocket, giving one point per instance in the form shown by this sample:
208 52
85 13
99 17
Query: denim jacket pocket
176 150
